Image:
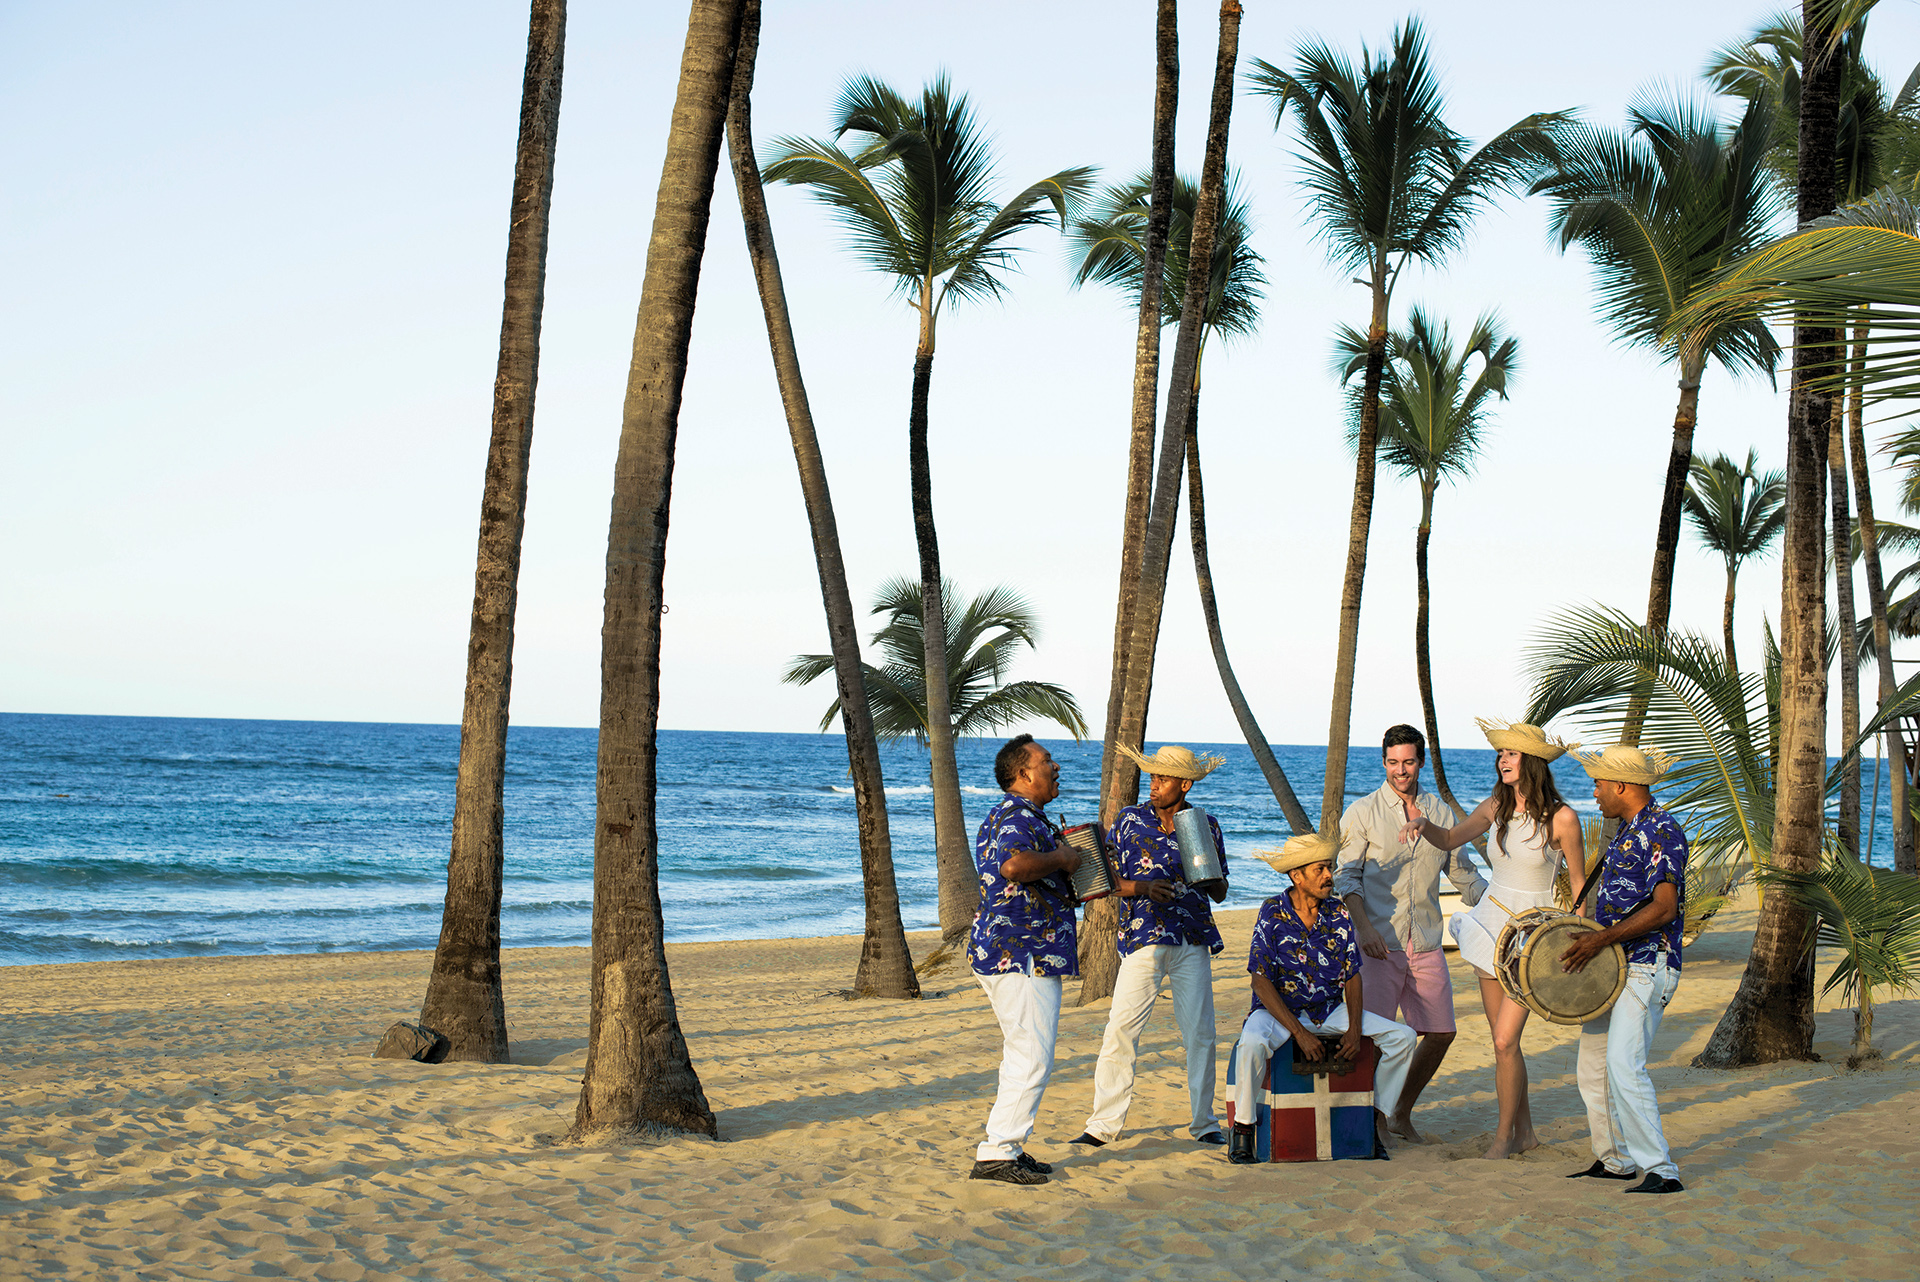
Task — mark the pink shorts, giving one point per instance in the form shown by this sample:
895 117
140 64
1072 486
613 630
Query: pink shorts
1414 989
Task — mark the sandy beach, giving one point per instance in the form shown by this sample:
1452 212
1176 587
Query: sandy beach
222 1118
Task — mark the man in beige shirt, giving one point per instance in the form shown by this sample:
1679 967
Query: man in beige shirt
1392 888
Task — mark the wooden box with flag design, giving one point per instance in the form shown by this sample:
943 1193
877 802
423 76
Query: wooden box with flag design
1308 1116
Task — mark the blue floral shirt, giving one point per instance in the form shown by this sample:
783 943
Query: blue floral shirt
1649 848
1025 927
1309 967
1145 853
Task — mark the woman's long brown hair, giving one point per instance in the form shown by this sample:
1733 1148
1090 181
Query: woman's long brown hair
1543 798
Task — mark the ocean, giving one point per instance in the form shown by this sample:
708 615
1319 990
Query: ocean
126 837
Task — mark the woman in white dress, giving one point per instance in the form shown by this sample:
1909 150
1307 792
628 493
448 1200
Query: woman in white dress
1533 831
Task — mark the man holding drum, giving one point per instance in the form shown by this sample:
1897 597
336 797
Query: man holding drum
1305 963
1166 934
1022 942
1642 884
1392 888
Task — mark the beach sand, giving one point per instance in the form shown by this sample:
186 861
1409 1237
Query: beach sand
221 1118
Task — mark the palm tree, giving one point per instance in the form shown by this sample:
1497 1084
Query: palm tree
464 1001
638 1072
1431 416
886 967
1127 720
1118 775
1876 142
1872 915
1659 209
1110 244
1738 513
915 199
1390 183
982 637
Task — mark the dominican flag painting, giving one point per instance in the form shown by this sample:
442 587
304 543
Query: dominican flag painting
1313 1117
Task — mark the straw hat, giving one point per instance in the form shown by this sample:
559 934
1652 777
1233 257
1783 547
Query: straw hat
1298 852
1174 761
1521 737
1624 763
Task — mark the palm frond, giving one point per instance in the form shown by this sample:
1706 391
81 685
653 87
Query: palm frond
1872 915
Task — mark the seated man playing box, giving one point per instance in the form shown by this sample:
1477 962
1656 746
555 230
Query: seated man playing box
1305 964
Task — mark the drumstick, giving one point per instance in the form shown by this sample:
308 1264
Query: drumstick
1502 907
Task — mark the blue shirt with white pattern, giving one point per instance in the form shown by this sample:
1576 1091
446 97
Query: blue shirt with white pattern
1021 926
1649 848
1310 967
1146 853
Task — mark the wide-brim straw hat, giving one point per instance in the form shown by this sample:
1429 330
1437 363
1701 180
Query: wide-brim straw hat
1298 852
1174 761
1518 736
1624 763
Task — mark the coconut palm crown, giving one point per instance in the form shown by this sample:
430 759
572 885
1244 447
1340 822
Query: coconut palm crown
983 635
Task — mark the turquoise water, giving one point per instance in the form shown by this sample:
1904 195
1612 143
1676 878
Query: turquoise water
166 837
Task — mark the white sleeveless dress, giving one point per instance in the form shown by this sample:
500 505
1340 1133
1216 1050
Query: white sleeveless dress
1520 877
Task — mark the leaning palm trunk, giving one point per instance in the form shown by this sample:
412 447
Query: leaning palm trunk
1333 793
1203 571
1422 662
1099 961
1771 1015
959 882
1903 856
1146 395
886 967
638 1073
1849 816
1666 537
464 1001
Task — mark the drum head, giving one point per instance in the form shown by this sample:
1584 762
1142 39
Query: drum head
1563 997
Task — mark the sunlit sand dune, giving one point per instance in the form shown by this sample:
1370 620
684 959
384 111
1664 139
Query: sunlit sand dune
222 1119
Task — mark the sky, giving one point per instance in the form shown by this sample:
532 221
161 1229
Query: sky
250 323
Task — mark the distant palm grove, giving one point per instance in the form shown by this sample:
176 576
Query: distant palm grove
1761 220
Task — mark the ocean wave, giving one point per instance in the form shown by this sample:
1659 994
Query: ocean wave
922 790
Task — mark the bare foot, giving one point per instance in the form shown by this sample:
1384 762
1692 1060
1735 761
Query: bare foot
1403 1127
1381 1129
1514 1147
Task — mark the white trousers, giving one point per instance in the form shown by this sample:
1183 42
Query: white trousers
1622 1114
1189 968
1028 1008
1262 1035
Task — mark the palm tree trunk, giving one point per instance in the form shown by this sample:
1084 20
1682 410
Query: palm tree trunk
1422 662
1849 817
1333 793
1771 1015
1119 778
959 879
464 1000
1290 806
1099 961
886 967
1903 854
1726 616
1666 537
638 1073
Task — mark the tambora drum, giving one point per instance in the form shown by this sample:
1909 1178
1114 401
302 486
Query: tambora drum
1092 879
1527 962
1199 859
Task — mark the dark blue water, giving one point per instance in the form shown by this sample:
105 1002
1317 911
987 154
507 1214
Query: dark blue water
166 837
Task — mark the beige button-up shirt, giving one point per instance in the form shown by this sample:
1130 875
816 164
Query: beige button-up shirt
1399 883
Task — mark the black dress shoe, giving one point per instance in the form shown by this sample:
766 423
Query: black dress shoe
1599 1171
1240 1148
1088 1140
1658 1184
1028 1162
1008 1172
1212 1137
